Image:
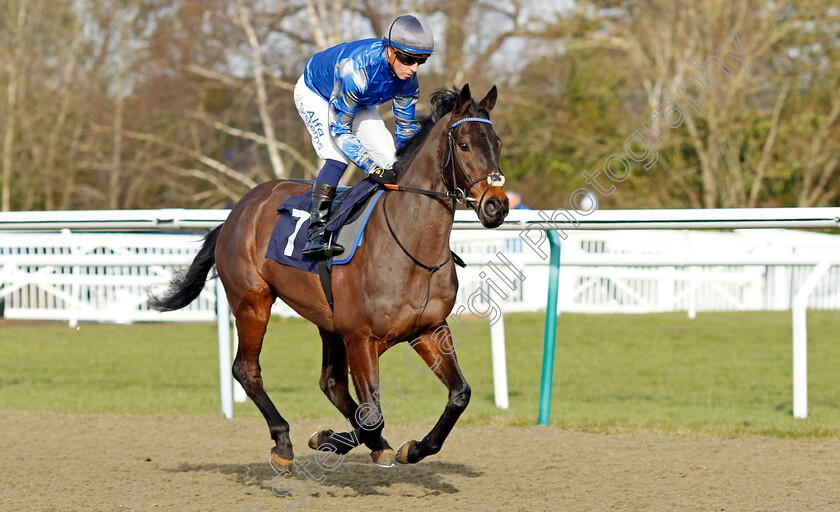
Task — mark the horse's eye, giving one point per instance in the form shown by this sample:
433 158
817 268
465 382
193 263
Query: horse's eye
464 146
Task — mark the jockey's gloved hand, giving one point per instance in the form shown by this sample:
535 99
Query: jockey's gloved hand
383 176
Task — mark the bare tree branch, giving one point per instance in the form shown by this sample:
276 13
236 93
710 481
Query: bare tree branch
207 73
202 175
262 97
57 127
13 63
761 168
116 172
307 165
206 160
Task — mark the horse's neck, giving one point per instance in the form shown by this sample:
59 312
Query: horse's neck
425 170
431 217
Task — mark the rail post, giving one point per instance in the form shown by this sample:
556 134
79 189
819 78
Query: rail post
800 341
550 327
225 381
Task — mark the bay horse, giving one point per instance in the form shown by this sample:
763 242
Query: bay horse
400 285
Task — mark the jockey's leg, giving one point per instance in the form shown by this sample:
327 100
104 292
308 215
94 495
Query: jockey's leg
318 244
375 137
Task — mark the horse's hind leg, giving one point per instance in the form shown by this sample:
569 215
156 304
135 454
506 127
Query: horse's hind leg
252 317
334 383
438 351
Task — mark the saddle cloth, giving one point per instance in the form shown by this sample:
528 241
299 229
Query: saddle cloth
348 217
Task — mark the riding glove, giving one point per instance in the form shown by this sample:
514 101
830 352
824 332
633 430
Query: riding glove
382 176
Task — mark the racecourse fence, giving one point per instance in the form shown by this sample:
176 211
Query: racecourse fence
105 277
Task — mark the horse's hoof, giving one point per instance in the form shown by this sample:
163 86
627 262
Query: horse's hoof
279 464
402 453
315 439
384 458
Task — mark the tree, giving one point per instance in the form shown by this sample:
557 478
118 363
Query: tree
14 28
731 138
764 134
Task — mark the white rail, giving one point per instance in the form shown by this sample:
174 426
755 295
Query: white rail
720 218
62 274
181 219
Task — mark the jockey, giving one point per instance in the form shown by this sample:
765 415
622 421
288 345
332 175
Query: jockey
337 97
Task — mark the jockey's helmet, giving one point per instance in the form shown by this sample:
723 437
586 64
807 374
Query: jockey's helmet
410 35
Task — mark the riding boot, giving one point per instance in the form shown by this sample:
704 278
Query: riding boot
318 245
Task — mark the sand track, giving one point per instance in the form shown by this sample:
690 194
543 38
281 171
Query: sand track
104 463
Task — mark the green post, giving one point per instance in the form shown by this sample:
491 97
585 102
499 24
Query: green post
550 327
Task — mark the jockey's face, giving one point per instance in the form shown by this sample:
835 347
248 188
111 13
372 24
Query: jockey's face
402 71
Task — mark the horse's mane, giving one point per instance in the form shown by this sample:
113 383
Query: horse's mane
442 102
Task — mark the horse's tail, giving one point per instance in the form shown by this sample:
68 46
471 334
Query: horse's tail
186 285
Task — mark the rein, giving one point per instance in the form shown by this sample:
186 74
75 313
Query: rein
430 268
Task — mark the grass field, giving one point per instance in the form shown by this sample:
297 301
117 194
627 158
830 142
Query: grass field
722 374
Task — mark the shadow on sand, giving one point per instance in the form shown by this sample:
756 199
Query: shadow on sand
355 476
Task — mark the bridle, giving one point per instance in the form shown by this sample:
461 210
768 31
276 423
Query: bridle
459 195
456 194
494 179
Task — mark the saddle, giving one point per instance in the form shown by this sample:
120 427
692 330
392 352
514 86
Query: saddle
355 206
345 222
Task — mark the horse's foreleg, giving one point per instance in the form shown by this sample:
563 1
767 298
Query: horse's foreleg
438 351
363 361
252 317
335 385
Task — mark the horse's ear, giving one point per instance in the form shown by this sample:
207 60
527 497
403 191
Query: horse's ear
489 101
464 101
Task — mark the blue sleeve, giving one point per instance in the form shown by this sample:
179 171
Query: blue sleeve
350 83
405 113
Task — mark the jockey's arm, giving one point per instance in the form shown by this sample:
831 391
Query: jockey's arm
405 112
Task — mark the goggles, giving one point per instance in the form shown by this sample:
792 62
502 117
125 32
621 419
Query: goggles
409 59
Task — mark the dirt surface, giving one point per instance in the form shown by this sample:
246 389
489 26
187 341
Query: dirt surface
56 462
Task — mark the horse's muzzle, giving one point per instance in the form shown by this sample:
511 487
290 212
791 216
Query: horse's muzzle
494 212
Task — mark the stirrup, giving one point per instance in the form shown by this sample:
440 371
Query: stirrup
320 248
